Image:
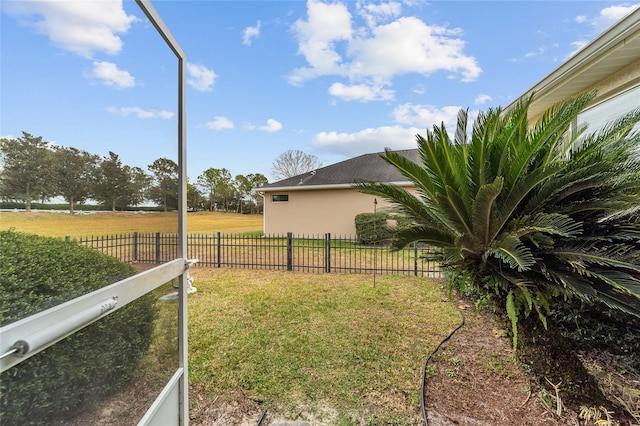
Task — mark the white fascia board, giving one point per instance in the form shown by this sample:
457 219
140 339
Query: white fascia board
320 187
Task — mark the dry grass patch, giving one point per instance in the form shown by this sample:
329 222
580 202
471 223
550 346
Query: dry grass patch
305 344
110 223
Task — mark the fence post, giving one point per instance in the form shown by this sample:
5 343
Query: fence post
218 247
327 252
415 259
289 251
135 246
157 247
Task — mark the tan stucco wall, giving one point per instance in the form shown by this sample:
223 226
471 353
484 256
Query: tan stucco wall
318 212
624 79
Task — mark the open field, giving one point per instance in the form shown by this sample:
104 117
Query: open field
110 223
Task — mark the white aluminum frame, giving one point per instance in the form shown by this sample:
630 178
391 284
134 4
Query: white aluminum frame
26 337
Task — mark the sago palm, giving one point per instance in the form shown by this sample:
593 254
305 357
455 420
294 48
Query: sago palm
528 213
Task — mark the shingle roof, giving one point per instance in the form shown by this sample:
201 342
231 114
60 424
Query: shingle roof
365 167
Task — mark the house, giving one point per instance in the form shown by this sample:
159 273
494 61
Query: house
324 200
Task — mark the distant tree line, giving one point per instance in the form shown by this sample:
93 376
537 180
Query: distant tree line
32 169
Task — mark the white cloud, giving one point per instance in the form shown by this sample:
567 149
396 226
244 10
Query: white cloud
412 120
374 13
220 123
607 17
200 77
332 45
360 92
111 76
272 126
576 46
250 33
141 113
81 27
426 116
366 141
326 25
599 23
482 99
408 45
580 19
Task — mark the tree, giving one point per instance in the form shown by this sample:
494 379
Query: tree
225 188
27 171
73 172
293 163
528 216
137 186
208 180
243 187
164 189
195 199
111 182
257 180
216 184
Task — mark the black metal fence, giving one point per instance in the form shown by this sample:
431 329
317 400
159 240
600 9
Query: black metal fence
317 254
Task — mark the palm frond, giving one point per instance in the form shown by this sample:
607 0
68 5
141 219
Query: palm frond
424 234
546 223
512 252
483 209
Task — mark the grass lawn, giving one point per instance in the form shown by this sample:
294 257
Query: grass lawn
331 347
109 223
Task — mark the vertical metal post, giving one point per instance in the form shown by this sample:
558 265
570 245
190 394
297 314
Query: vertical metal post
183 387
218 251
289 251
183 343
157 247
327 248
415 259
375 253
135 246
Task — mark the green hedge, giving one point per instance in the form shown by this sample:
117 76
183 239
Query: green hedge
7 205
37 273
372 228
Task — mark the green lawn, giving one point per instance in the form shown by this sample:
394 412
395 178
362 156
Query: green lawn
319 343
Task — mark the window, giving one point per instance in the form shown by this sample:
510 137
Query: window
601 114
280 198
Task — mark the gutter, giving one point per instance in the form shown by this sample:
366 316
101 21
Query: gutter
320 187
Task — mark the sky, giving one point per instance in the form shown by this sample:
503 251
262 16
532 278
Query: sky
334 79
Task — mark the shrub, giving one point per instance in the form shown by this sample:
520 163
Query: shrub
372 228
37 273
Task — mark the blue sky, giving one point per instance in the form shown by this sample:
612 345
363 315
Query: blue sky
331 78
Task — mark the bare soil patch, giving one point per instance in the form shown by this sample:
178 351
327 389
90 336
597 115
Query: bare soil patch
476 380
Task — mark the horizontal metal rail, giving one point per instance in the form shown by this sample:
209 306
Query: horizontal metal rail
28 336
306 253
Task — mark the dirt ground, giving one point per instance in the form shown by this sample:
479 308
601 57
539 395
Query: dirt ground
477 381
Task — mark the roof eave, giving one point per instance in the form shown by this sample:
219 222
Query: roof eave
322 187
608 41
